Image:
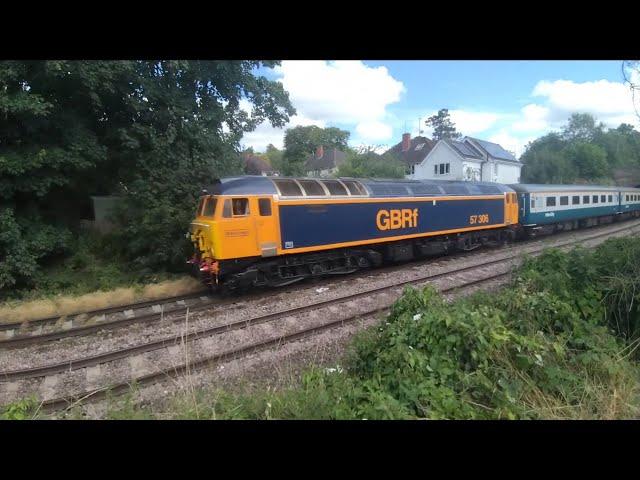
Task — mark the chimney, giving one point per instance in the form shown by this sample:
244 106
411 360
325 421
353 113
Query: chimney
406 141
319 152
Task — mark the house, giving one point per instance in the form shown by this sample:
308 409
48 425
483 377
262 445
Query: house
469 159
411 151
254 165
324 163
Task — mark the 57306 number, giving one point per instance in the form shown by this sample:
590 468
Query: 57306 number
478 219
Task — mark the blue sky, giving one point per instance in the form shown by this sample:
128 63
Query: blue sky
509 102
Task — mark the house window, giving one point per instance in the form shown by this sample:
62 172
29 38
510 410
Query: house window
413 169
442 169
564 200
446 168
575 200
551 201
435 172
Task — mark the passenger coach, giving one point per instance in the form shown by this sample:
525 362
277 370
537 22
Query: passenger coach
549 208
274 230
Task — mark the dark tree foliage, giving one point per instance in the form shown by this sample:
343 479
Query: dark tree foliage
300 142
584 151
442 125
151 131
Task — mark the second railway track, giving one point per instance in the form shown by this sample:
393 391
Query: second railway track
32 333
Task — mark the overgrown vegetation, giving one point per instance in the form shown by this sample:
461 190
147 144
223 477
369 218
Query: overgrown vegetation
150 131
560 342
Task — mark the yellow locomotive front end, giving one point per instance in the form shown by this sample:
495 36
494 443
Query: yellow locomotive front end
202 235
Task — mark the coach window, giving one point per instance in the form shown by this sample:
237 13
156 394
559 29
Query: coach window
610 198
595 199
564 200
209 207
264 205
551 201
335 187
575 200
585 199
603 198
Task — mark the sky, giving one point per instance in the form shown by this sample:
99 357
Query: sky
507 102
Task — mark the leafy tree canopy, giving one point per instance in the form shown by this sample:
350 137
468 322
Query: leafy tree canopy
365 163
300 142
151 131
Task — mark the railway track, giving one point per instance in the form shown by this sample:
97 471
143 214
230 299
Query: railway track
343 310
16 335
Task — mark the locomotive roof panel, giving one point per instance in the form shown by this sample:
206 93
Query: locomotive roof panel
288 187
542 188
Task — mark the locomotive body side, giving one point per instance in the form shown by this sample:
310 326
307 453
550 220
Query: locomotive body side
249 231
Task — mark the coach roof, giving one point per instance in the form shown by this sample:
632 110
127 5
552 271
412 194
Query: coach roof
541 188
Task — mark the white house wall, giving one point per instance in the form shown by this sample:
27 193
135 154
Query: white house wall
441 153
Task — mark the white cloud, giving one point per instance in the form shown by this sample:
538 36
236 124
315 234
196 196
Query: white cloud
472 123
325 93
374 131
607 101
533 118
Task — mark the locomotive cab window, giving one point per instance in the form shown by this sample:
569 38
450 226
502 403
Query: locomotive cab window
264 205
551 201
564 200
209 207
235 207
200 205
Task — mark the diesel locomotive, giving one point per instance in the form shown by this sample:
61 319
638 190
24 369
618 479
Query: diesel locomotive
273 231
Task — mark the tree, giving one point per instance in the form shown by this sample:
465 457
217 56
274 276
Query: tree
151 131
300 142
590 160
442 125
582 127
364 162
275 157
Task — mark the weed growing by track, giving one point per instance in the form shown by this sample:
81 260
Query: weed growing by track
559 342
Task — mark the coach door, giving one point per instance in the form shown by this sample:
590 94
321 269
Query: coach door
266 227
